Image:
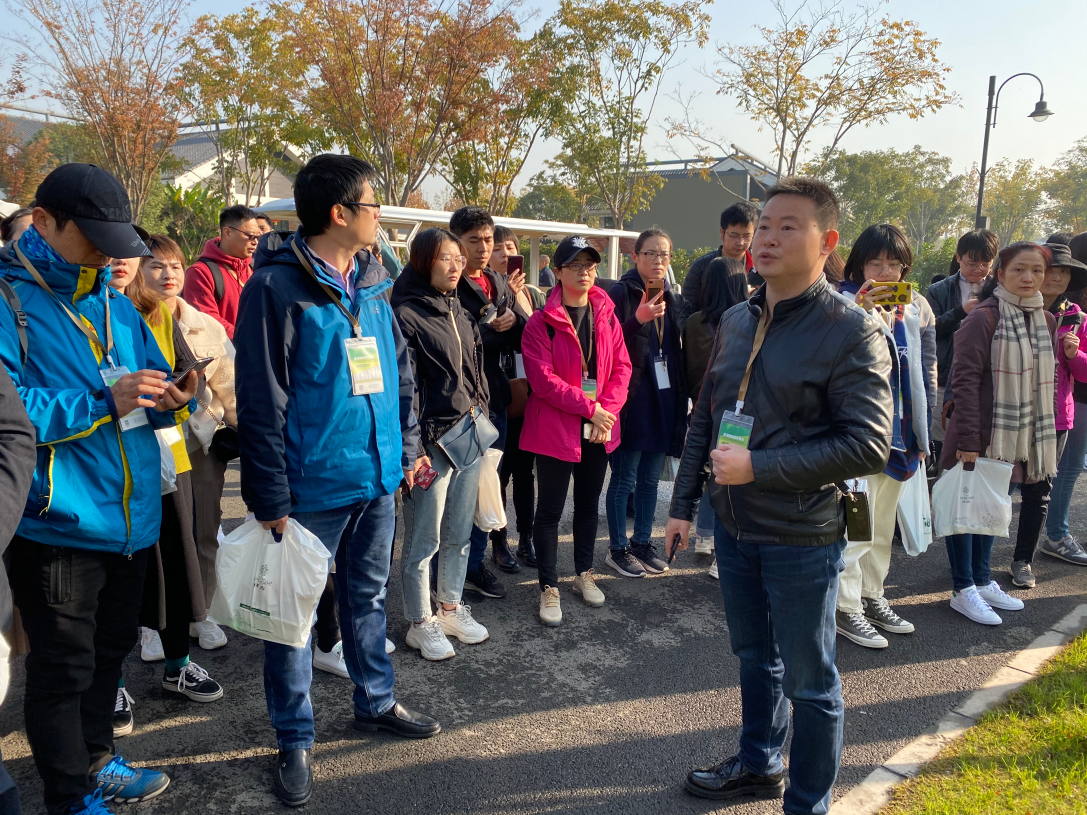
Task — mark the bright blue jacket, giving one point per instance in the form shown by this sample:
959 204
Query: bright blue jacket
307 443
94 486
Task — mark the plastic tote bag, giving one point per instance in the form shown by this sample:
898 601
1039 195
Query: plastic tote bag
490 514
973 502
167 465
915 514
270 590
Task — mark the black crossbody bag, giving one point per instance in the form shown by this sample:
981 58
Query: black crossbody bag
858 510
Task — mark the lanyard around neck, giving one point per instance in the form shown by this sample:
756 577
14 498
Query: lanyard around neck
592 335
90 332
355 327
760 337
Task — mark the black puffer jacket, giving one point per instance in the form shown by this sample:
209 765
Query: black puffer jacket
445 351
627 293
475 302
828 365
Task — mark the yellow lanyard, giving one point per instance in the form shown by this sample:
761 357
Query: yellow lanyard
92 335
760 336
333 295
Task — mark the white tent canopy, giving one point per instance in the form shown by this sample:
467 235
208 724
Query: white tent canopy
410 220
6 208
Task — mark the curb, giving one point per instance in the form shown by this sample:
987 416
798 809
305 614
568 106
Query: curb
874 792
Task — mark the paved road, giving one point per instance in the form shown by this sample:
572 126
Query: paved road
602 715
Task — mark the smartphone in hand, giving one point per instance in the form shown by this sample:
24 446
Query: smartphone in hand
652 289
515 264
198 366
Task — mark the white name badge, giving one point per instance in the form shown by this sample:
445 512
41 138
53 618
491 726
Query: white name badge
170 435
138 417
365 364
660 368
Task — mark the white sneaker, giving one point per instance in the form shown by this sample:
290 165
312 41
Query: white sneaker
713 570
585 585
390 646
429 640
970 603
211 636
331 661
703 546
151 645
998 598
459 623
550 610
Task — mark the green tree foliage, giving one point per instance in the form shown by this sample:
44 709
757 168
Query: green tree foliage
932 259
1066 186
620 52
192 217
1013 200
546 198
683 258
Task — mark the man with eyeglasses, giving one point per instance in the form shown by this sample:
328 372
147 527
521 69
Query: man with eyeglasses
737 229
214 282
952 299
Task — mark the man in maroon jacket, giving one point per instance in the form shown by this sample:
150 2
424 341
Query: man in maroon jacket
214 282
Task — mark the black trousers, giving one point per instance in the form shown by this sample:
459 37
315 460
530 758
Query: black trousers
1034 509
555 476
517 464
175 584
80 610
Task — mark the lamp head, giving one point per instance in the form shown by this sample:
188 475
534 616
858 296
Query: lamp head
1041 111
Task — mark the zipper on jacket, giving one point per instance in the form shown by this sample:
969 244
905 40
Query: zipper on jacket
460 346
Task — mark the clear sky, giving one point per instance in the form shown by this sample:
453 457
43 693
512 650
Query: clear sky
979 38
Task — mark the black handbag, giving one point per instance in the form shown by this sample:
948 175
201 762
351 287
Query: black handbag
464 443
224 444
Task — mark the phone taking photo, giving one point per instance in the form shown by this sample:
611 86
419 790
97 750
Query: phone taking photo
515 264
652 289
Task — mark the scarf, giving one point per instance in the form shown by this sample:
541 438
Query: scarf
1023 374
34 246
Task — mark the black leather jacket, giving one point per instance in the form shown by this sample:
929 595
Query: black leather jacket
828 365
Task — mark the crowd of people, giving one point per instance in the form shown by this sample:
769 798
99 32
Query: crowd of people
780 383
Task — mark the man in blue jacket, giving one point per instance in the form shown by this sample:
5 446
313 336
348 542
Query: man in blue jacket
95 386
327 433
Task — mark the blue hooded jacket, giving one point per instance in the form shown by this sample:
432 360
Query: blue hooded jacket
307 443
95 487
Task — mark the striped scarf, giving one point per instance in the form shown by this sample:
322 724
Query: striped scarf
1023 374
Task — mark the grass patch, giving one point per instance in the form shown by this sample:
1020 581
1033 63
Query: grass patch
1026 757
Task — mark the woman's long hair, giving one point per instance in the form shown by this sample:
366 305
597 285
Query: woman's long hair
724 284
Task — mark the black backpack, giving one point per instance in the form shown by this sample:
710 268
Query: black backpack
216 277
8 292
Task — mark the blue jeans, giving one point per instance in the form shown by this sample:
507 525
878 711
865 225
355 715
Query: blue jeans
780 603
479 537
1068 471
360 539
439 520
638 471
969 556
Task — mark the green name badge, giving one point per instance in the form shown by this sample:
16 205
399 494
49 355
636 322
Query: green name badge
588 387
735 429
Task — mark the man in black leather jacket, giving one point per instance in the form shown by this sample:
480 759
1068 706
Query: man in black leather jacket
821 408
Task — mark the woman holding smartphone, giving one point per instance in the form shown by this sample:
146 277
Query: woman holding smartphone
447 360
880 258
577 364
174 590
1003 355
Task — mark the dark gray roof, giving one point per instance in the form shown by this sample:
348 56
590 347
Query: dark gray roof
25 129
194 149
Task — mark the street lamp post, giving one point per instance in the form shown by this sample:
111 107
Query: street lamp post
1040 114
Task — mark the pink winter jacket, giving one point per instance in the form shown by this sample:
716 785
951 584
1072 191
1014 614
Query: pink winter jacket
557 404
1069 370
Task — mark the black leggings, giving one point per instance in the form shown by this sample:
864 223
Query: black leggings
554 483
175 578
1033 510
518 464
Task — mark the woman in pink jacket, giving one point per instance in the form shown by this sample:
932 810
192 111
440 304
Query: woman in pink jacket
577 366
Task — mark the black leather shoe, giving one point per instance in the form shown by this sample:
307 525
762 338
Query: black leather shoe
403 721
501 554
526 550
730 779
293 777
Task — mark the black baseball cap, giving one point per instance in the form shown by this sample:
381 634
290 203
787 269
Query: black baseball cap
98 205
570 246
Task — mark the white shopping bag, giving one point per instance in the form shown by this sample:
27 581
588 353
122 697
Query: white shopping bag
915 514
167 465
270 590
490 514
974 502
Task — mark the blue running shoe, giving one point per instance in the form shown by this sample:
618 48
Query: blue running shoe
91 805
125 784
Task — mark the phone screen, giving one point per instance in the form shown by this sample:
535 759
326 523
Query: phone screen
515 264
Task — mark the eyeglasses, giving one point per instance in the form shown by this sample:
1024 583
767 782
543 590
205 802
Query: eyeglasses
893 266
361 204
739 236
665 256
580 267
249 237
460 261
975 265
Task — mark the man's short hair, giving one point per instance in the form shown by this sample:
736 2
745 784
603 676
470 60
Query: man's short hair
325 181
739 214
267 219
827 211
466 219
981 244
237 215
503 234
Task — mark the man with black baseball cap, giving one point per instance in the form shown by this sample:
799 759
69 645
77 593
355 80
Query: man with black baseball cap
95 387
